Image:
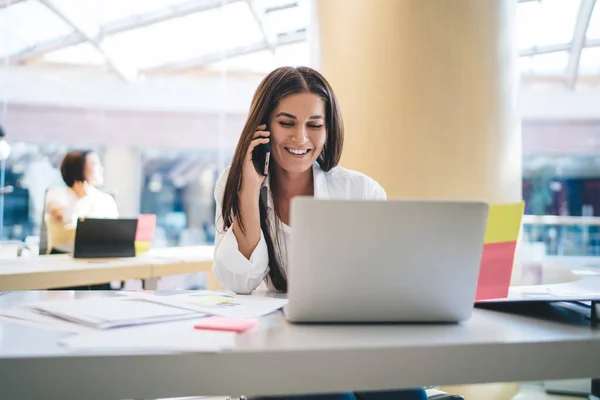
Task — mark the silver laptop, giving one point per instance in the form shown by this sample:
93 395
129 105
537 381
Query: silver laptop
384 261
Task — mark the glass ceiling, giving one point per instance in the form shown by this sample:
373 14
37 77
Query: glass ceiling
553 34
558 39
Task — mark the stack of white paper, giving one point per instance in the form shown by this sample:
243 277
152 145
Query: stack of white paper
107 313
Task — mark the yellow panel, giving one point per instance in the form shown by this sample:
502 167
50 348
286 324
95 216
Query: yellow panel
504 222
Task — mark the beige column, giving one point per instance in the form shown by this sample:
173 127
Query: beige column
428 94
428 90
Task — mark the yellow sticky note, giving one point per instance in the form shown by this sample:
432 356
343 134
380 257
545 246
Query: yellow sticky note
210 300
142 247
504 222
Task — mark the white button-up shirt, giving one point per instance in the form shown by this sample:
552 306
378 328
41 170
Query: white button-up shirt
95 204
241 275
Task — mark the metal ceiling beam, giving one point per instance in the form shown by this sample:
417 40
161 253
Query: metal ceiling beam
581 26
199 62
119 26
545 49
91 34
558 78
556 48
259 21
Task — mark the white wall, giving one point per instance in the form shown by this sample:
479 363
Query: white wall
233 93
552 103
86 88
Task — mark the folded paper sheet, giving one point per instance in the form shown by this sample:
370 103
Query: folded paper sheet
502 232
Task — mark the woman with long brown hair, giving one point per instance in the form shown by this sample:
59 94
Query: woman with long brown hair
296 112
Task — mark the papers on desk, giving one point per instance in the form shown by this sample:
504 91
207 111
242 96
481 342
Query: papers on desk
27 316
219 303
586 289
142 322
179 337
101 313
138 308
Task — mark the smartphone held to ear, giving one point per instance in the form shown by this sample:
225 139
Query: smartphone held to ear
260 157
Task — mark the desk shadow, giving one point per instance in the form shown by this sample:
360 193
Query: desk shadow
383 323
568 313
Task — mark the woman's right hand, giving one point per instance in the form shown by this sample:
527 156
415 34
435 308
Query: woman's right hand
251 179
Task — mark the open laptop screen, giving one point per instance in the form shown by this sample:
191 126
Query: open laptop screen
105 238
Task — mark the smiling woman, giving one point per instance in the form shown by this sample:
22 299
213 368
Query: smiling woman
306 136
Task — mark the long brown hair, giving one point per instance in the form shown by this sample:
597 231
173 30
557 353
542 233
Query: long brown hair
278 84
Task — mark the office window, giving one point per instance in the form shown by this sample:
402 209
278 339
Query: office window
565 186
31 169
178 187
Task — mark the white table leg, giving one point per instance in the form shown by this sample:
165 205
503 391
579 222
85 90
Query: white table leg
150 283
211 282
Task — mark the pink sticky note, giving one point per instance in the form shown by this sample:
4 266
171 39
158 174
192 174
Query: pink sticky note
145 227
226 324
495 270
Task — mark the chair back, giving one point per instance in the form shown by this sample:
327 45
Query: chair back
44 229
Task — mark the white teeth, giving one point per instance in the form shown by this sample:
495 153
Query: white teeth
298 151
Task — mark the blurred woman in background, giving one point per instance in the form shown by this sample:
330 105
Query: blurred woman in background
82 172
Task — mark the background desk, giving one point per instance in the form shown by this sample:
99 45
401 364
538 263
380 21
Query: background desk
283 358
54 271
184 260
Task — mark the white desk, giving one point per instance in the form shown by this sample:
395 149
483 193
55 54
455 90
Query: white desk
55 271
282 358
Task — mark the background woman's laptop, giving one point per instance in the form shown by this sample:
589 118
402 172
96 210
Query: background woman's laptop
105 238
377 261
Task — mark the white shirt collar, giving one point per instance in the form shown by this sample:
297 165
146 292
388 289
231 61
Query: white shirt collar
320 185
